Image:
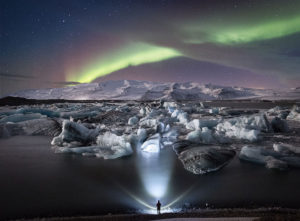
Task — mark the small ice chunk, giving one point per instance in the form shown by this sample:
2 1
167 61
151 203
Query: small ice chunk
214 110
142 111
272 163
242 134
169 104
285 148
175 113
197 124
279 125
294 114
203 135
183 118
257 154
148 122
193 125
133 120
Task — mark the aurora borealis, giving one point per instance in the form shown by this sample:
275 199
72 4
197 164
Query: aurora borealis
134 55
252 43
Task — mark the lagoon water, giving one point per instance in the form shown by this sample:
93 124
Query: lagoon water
36 182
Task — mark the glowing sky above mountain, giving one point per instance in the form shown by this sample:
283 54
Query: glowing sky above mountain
252 43
133 55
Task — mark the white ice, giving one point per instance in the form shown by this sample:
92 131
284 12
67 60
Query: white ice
152 144
109 146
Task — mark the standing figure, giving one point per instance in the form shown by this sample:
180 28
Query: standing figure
158 205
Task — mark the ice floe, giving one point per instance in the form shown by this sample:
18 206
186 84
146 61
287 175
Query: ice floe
205 159
72 131
270 158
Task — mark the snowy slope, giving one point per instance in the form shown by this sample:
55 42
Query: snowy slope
144 90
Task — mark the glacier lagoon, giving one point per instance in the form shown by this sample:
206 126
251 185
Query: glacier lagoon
36 182
119 157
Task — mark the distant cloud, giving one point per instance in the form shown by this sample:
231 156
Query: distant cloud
19 76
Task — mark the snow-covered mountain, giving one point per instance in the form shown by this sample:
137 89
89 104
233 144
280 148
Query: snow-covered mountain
144 90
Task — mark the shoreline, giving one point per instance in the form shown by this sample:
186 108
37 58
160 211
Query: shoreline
252 214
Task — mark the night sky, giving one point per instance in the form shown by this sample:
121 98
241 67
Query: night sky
56 43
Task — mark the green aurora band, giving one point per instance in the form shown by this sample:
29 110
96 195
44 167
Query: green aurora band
243 34
132 55
269 30
135 54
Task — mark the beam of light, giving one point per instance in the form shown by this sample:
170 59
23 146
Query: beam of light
155 172
132 55
178 198
247 33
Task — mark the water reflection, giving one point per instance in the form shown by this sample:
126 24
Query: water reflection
155 170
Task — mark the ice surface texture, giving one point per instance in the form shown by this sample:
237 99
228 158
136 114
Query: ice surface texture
202 136
204 159
278 159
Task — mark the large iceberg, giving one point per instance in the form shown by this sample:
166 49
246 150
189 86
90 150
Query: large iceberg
244 128
109 146
42 126
205 159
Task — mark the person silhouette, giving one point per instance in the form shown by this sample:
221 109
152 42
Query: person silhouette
158 205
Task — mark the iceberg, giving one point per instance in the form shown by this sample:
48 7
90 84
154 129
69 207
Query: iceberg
214 110
199 123
294 114
72 131
205 159
257 154
15 118
148 122
43 126
272 163
133 120
152 144
109 146
46 112
269 158
244 128
203 135
182 117
279 125
286 148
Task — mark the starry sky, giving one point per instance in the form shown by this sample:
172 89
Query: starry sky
57 43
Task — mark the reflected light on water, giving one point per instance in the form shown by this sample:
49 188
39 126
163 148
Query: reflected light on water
155 172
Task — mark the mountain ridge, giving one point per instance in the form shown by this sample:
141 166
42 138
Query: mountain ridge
146 90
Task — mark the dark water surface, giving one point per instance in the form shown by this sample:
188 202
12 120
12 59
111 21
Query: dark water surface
36 182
